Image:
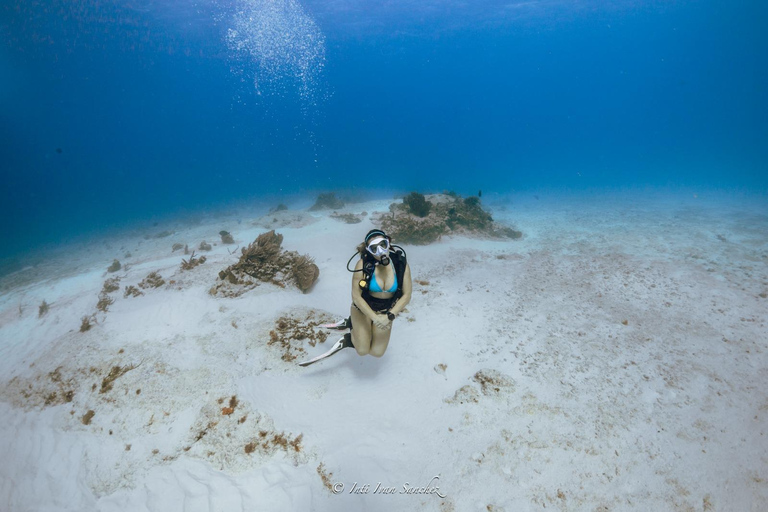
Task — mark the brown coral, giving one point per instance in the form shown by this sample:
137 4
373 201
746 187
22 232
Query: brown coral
104 302
264 260
132 291
153 280
305 272
192 262
111 285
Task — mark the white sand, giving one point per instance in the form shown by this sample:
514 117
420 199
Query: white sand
628 340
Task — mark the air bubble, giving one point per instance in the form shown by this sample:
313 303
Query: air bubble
281 45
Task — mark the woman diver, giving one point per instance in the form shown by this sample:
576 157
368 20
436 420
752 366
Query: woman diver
381 294
378 296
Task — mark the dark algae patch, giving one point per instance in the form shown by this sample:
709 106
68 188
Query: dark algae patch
87 417
115 373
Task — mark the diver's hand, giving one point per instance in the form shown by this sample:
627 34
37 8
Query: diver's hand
382 322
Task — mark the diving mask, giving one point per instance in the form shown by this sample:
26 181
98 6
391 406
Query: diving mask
378 246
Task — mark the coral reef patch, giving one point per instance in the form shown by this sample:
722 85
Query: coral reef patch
153 280
265 261
421 220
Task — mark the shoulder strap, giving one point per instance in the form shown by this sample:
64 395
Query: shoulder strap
367 276
398 259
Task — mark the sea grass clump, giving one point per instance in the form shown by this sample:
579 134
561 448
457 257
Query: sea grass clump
43 309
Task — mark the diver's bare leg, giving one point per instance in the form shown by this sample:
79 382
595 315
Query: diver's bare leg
380 341
361 333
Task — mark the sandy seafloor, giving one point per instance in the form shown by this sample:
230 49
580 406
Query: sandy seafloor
626 333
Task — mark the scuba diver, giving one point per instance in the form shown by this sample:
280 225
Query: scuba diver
379 294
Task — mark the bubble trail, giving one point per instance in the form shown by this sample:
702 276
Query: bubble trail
284 44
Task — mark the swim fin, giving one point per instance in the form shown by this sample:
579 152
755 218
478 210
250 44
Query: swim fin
341 325
344 342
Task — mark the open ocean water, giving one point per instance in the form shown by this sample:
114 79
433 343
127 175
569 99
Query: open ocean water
611 355
119 113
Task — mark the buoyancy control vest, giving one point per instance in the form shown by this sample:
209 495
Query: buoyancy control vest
397 258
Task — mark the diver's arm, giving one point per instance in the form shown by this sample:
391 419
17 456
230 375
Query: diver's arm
407 291
357 297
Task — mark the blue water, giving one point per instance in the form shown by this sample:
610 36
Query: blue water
113 113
